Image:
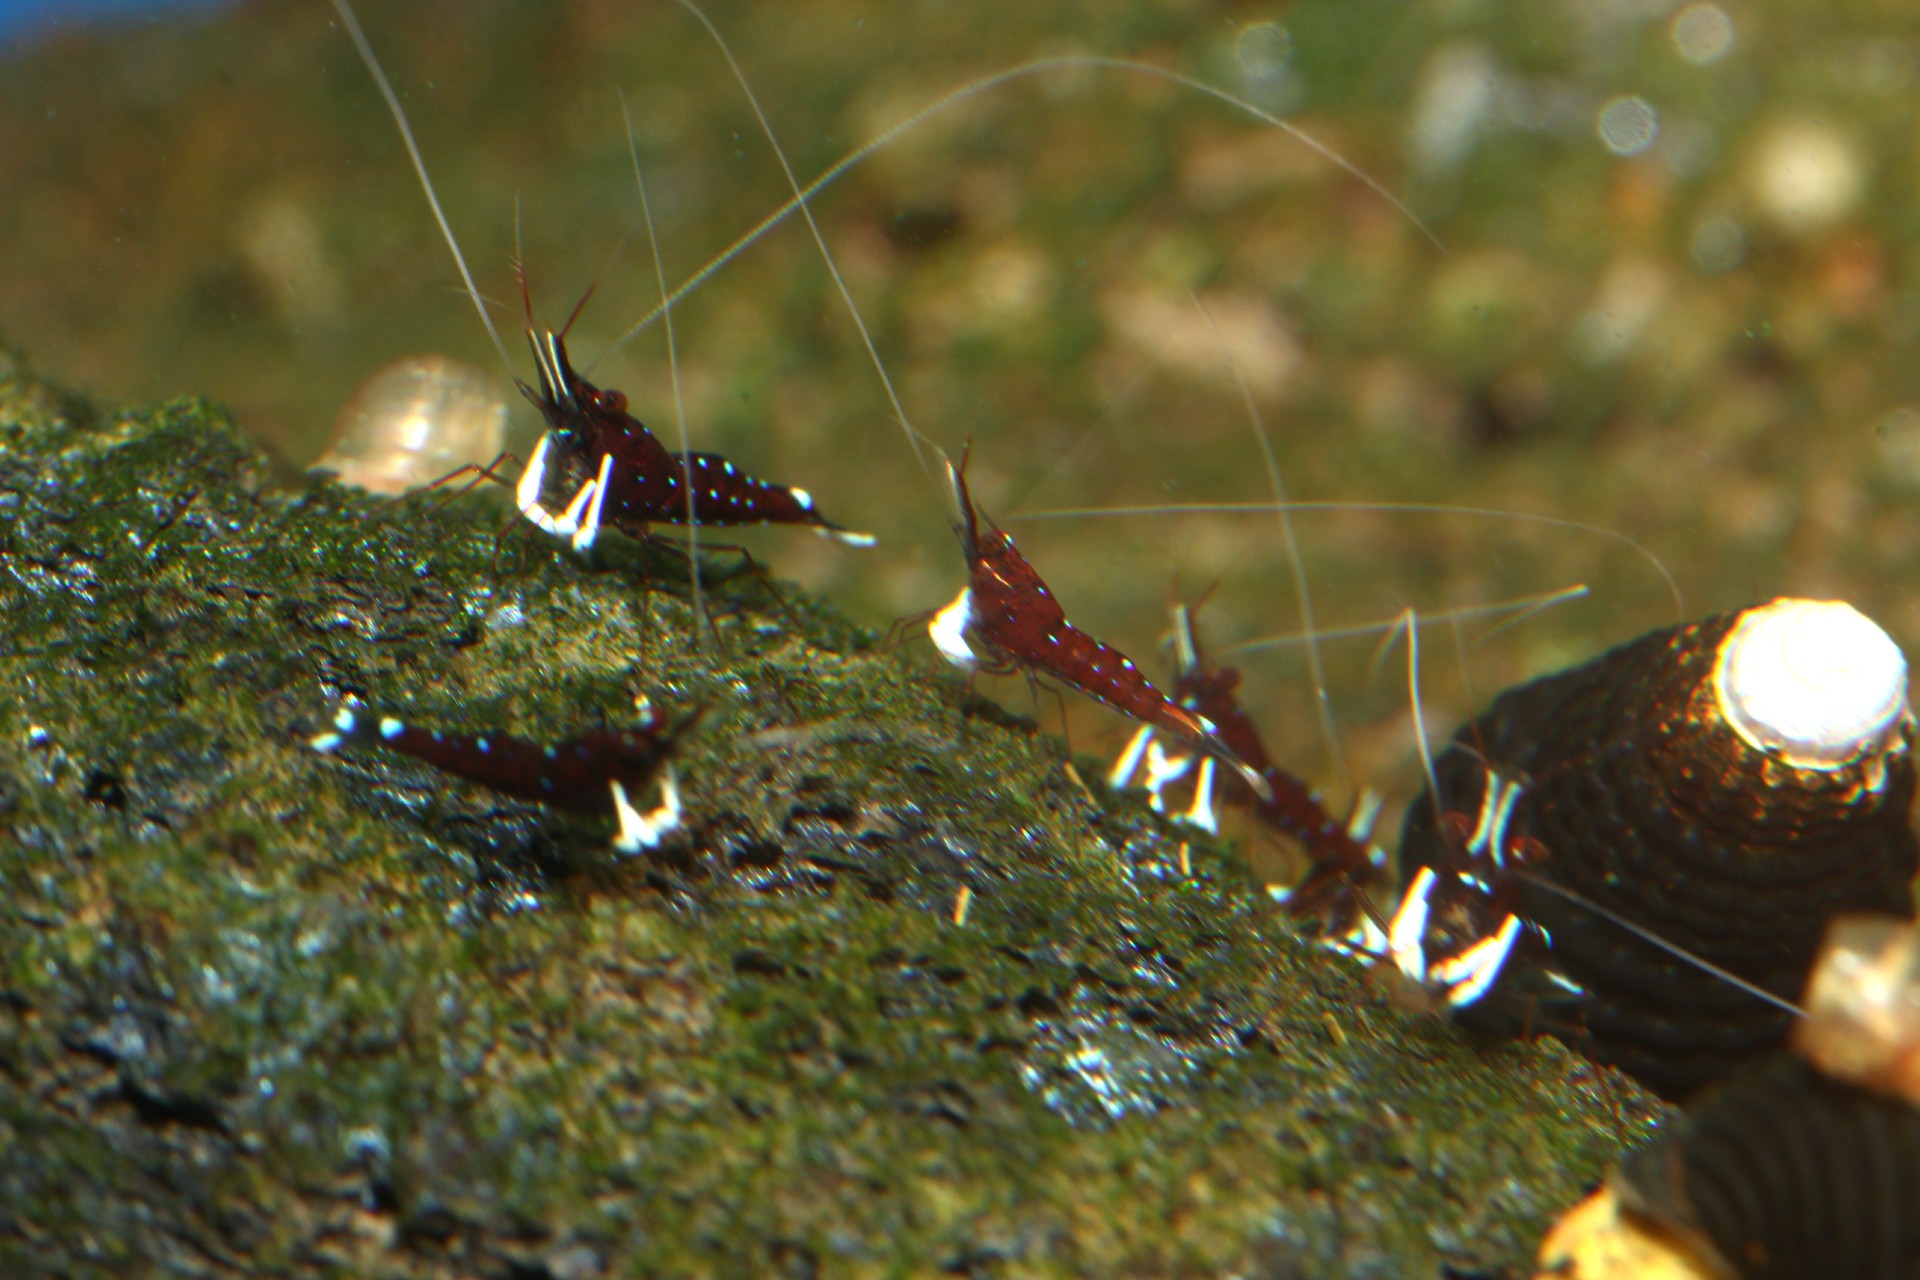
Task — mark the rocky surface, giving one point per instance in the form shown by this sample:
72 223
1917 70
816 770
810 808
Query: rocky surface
264 1011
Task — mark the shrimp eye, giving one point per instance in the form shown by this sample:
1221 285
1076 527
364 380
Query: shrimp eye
1456 829
1528 852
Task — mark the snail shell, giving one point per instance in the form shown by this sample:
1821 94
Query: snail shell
1863 1006
413 422
1788 1174
1780 1174
1730 785
1600 1239
1783 1172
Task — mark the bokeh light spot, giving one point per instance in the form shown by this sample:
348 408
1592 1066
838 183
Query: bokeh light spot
1703 33
1627 126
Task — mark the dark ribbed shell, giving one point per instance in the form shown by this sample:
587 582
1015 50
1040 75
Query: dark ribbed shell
1790 1176
1649 804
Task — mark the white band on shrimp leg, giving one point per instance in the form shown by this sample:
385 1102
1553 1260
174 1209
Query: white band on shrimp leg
590 526
1471 974
1407 931
533 477
642 831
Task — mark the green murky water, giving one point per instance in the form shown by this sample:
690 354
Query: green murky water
1672 296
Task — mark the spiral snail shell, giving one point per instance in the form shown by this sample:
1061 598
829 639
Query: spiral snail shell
1793 1170
413 422
1729 785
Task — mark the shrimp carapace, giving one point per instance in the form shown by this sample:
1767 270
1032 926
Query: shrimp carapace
616 472
1007 610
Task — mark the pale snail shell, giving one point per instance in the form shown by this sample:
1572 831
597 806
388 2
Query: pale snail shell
413 422
1863 1005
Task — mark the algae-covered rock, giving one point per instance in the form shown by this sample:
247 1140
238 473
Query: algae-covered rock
265 1011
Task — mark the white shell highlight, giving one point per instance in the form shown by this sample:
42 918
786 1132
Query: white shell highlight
413 422
1814 683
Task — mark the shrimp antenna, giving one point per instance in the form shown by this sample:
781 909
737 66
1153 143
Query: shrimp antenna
1296 563
1658 565
1523 608
673 366
359 37
1673 949
1411 620
986 84
800 195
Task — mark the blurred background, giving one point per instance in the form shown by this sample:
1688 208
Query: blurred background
1656 273
28 22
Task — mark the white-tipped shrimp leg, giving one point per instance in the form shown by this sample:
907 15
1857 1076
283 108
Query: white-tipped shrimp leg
581 519
1461 978
1407 931
1471 974
533 479
949 631
569 520
642 831
1201 812
1163 770
1489 838
1128 764
590 526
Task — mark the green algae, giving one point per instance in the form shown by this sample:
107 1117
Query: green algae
264 1011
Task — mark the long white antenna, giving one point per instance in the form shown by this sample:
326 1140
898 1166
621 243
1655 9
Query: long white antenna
1673 949
1412 618
1316 666
985 84
352 23
1389 508
673 369
914 438
1520 609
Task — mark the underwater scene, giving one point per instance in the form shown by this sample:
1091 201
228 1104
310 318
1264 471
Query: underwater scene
471 880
